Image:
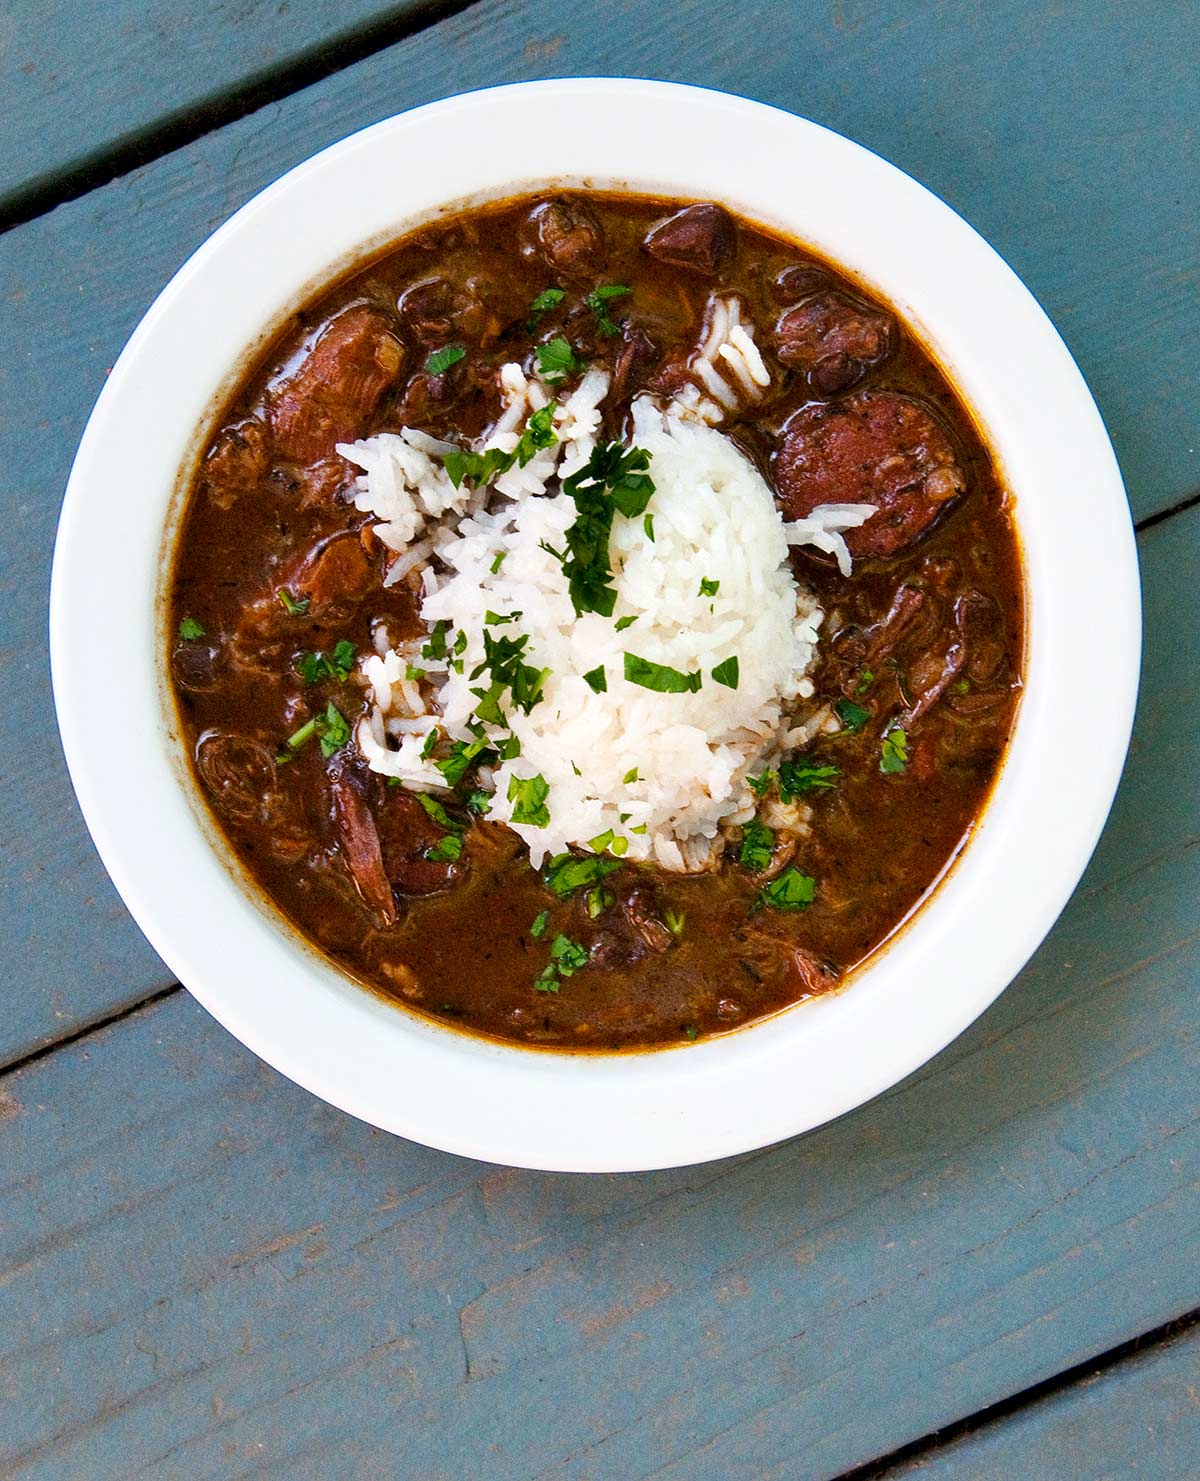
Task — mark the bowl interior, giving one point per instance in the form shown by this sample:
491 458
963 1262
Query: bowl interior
769 1080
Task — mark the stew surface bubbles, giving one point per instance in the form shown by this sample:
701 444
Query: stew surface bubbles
661 815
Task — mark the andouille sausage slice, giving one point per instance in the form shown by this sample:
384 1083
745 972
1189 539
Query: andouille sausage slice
875 447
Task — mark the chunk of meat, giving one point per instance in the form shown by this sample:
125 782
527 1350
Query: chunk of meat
798 281
336 574
435 312
406 834
335 390
358 839
875 447
699 238
240 776
641 911
637 353
834 341
238 462
566 236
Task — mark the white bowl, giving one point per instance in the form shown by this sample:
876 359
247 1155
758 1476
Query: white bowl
537 1108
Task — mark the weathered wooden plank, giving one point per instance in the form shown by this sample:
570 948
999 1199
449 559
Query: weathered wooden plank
1140 1418
1007 110
226 1277
82 81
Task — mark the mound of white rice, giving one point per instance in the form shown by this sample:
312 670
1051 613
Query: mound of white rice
709 580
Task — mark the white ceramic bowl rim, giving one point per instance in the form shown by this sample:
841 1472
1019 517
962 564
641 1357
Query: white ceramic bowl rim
714 1098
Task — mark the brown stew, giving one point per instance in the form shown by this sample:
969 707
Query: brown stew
278 583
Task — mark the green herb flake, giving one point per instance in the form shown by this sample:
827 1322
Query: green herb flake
538 929
802 775
648 526
528 797
441 360
557 361
624 622
430 745
674 921
300 737
692 1033
498 561
547 299
460 644
659 676
758 846
619 846
539 433
614 480
598 901
479 802
447 849
436 646
727 672
293 606
439 814
566 958
567 873
708 588
893 756
760 785
790 890
601 841
599 299
596 679
463 755
190 629
961 686
852 716
631 776
865 680
333 730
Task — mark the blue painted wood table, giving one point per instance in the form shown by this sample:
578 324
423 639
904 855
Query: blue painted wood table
989 1272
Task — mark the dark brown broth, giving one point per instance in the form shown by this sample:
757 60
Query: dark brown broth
466 956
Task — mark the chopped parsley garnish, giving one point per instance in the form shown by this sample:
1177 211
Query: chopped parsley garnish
760 785
510 748
330 728
852 716
961 686
641 827
494 619
691 1032
893 756
630 776
547 299
441 360
498 561
758 845
314 667
598 300
648 526
439 814
479 802
294 606
597 680
460 643
528 797
557 361
624 622
674 921
482 467
865 680
566 958
708 588
598 901
190 629
446 849
660 676
503 660
612 479
463 755
802 775
601 841
566 873
436 646
538 929
790 890
431 741
727 673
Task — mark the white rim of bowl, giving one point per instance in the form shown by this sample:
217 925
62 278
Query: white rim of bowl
765 1082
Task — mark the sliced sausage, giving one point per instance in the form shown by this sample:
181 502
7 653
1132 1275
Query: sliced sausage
699 238
565 235
876 447
834 341
331 396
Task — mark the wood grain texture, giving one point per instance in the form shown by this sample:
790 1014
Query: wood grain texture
82 81
1005 110
226 1278
1141 1418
